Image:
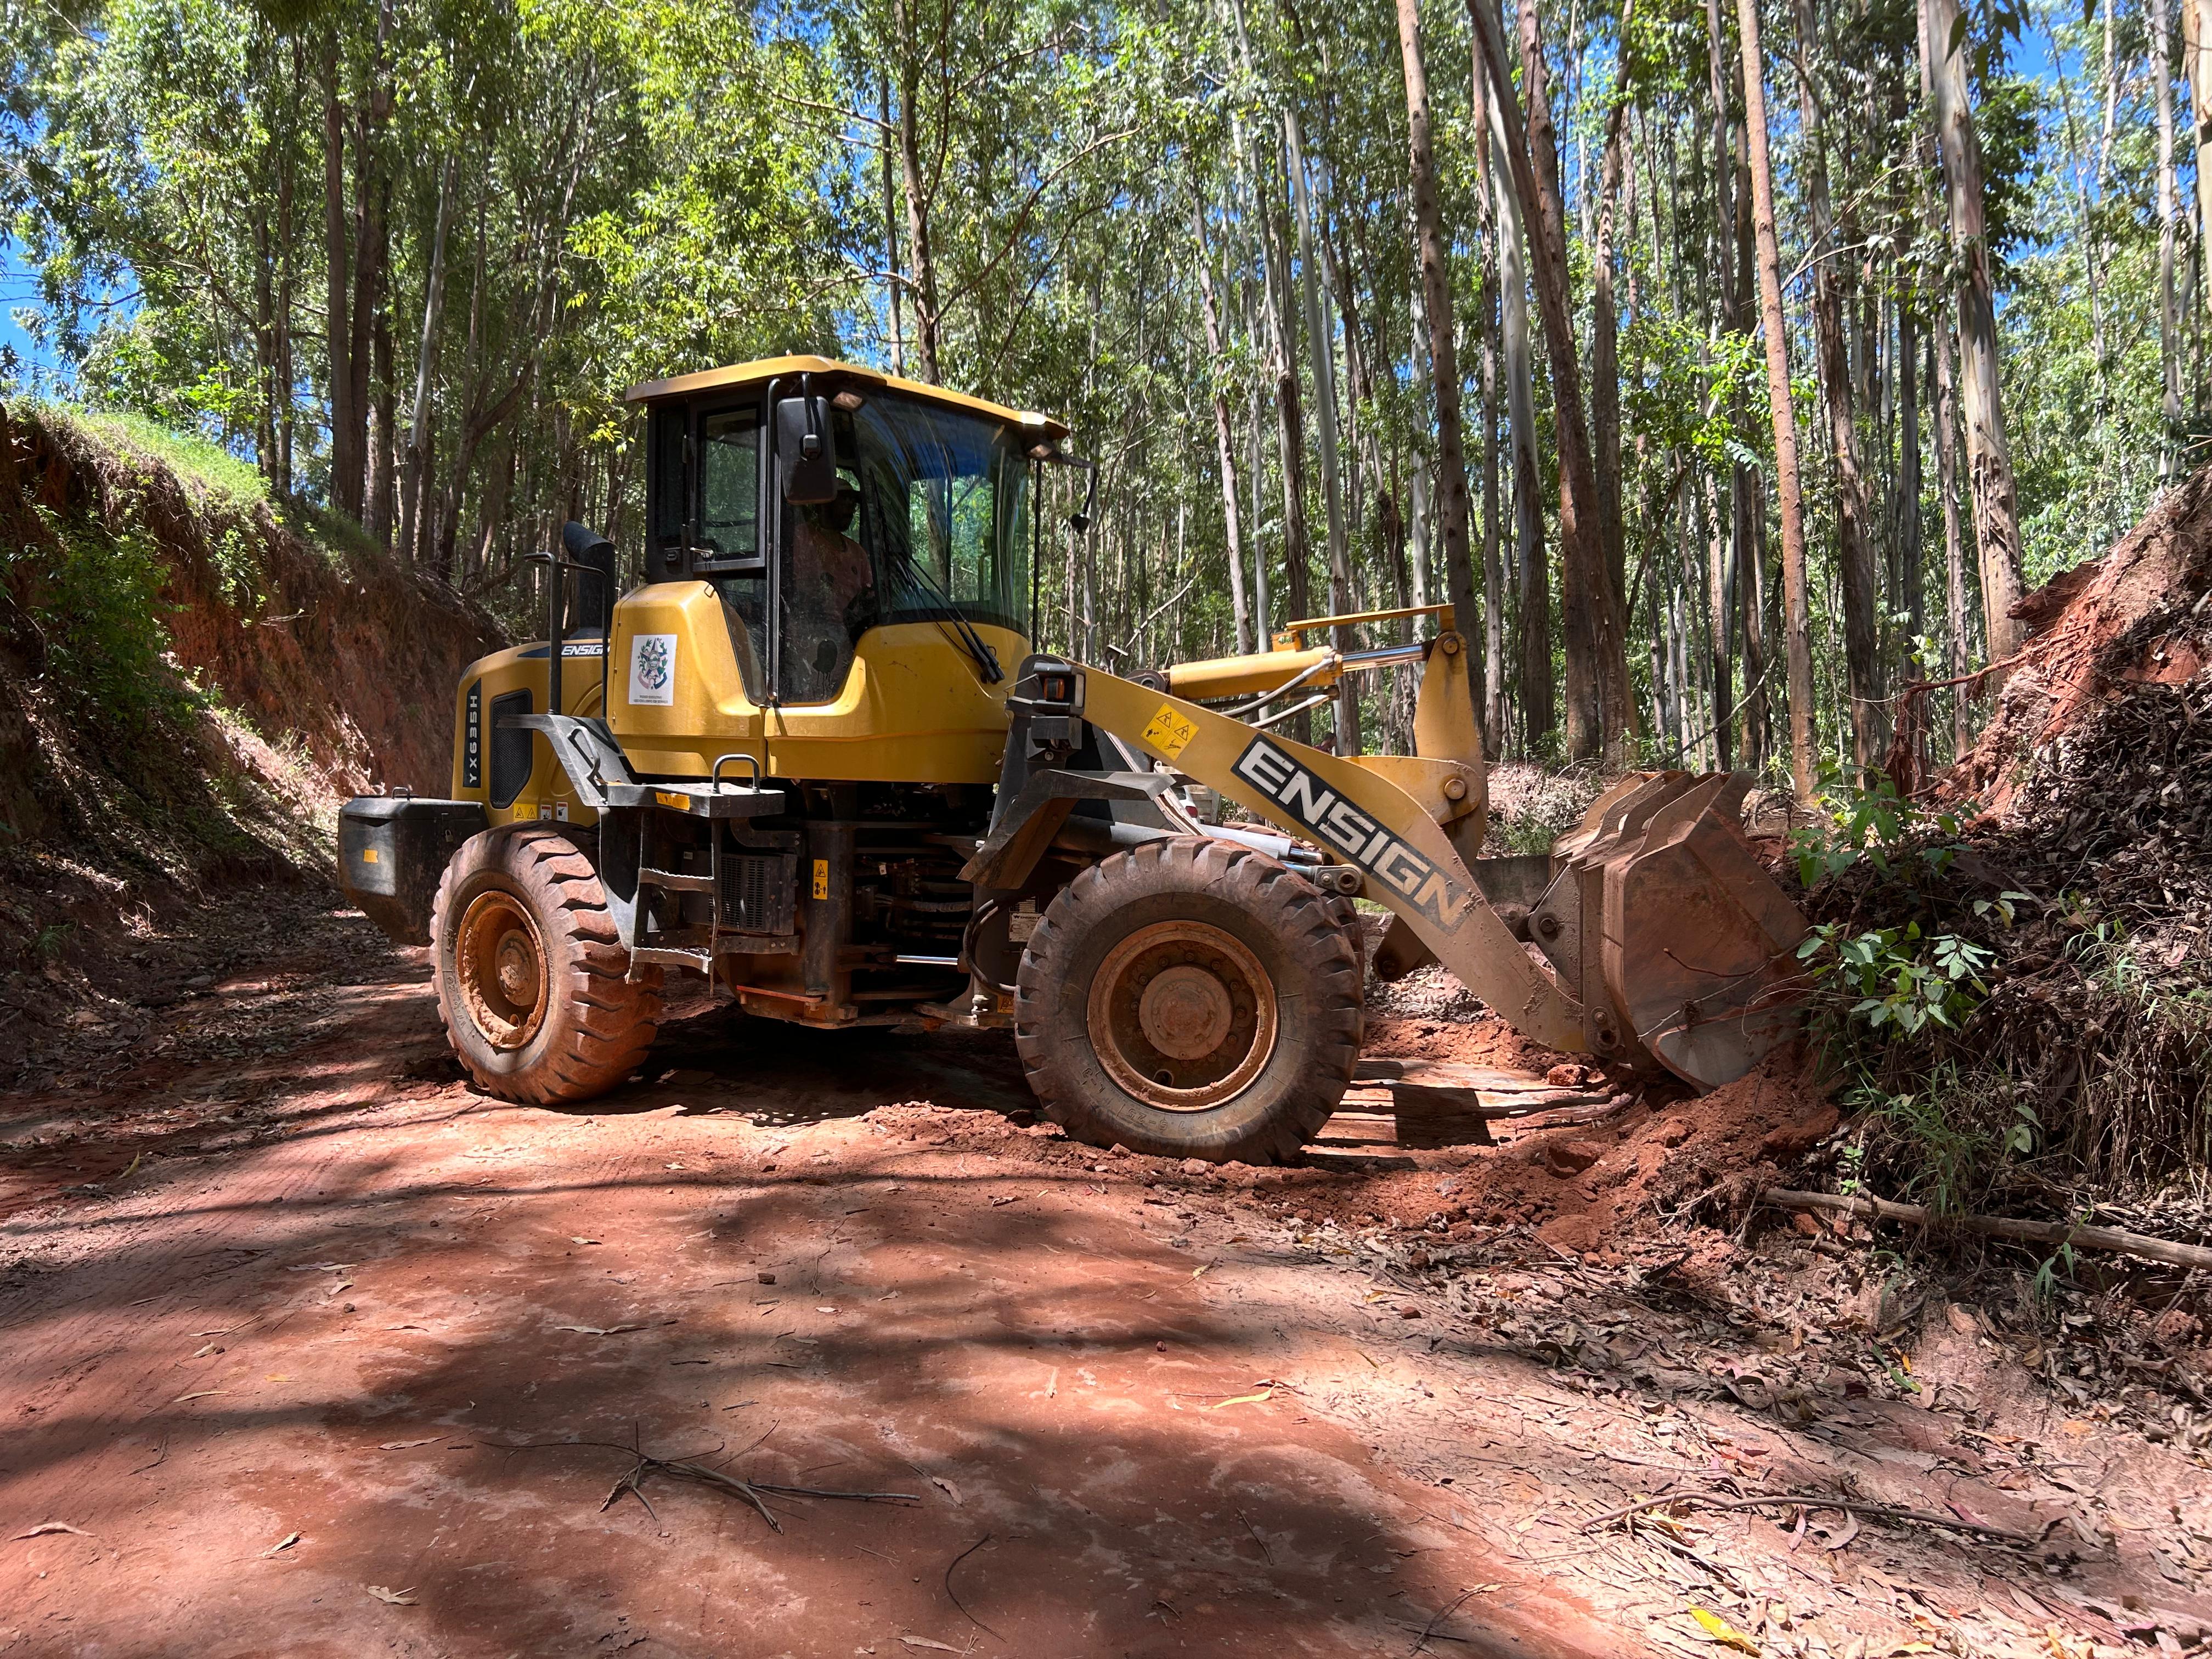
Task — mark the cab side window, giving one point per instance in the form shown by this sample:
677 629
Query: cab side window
727 550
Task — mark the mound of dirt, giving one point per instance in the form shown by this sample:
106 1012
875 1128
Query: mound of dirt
2085 871
2104 636
1605 1188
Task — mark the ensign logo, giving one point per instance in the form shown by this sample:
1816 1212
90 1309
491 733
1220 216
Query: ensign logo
1338 823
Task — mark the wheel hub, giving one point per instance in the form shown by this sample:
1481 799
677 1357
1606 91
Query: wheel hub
1181 1016
1185 1012
500 959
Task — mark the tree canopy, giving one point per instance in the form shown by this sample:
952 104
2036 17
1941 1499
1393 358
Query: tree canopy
1358 306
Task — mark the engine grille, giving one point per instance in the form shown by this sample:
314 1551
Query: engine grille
759 892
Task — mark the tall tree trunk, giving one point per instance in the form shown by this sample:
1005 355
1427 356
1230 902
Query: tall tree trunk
894 300
1539 707
1420 372
1989 456
1601 711
1955 603
1911 541
1719 605
1290 423
1320 345
1290 436
1443 342
337 312
1497 718
1256 466
1854 553
413 481
923 288
370 249
2196 69
287 268
1224 439
2169 215
264 348
383 447
1797 601
1605 324
1720 77
1751 592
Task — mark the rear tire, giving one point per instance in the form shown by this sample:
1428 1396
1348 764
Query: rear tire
1190 999
532 978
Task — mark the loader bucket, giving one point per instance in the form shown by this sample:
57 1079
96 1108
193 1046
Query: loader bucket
1695 945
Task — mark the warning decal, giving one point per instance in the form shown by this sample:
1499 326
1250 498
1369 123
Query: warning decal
1170 730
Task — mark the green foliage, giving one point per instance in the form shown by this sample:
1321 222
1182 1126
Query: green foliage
209 472
1898 980
93 604
1894 978
1871 822
1934 1142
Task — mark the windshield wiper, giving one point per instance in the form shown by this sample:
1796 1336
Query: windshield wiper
954 626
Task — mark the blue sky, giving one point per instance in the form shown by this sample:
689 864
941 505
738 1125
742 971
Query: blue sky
17 288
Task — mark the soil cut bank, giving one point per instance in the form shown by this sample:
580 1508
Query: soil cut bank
2083 869
191 677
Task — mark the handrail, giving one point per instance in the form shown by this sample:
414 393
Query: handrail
1296 631
714 778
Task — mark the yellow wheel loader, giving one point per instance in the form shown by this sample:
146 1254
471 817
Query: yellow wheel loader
811 757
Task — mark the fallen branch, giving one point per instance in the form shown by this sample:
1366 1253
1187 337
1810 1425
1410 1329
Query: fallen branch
755 1492
750 1490
953 1596
1816 1501
1559 1115
1430 1629
2033 1232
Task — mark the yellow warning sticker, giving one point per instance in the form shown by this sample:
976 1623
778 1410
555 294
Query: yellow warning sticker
1170 730
822 878
368 855
669 798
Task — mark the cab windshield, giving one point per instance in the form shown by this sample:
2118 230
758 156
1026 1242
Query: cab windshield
930 524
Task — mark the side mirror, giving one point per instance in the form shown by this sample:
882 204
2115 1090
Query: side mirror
1080 519
806 450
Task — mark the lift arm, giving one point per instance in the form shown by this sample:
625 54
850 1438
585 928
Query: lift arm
1362 815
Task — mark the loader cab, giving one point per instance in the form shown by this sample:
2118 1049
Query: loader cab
820 501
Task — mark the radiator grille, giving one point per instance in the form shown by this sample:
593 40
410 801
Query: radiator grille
760 892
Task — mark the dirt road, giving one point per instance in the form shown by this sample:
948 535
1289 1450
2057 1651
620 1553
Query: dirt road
310 1349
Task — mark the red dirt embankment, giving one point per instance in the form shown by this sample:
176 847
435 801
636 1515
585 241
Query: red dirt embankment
312 636
191 676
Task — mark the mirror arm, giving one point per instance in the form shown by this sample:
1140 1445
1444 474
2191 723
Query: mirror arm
1081 521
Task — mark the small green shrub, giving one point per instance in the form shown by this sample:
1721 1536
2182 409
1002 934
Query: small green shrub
93 602
1875 823
1896 977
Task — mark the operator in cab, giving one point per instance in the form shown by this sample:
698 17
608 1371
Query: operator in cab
832 574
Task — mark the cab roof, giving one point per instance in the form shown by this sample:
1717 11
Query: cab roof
737 375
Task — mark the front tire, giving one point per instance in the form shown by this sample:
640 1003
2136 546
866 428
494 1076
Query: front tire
1190 999
533 983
